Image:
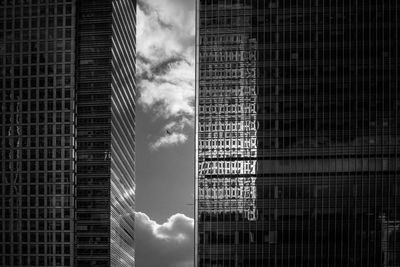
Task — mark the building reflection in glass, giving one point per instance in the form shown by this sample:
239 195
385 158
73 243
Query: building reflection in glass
67 132
227 127
298 133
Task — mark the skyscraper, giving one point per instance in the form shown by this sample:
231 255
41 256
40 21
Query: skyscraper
67 132
297 133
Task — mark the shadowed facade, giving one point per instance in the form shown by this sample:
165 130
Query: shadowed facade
67 127
297 133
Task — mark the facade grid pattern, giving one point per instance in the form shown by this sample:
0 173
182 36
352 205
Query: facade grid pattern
105 118
37 133
297 130
67 124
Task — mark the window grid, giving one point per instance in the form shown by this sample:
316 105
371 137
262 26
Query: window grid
326 127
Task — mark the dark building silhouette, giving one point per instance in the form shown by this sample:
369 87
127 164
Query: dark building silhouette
67 94
297 138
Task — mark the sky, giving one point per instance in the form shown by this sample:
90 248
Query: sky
164 133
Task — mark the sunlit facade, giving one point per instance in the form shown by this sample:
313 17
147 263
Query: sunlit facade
105 144
297 133
227 125
67 132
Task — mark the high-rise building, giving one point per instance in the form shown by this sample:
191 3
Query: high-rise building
298 133
67 94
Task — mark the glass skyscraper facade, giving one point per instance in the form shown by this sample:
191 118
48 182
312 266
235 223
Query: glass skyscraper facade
67 95
297 133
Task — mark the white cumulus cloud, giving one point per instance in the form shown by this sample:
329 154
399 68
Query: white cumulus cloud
165 61
169 244
167 98
168 140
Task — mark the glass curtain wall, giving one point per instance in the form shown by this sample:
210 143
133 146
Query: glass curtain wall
106 130
94 133
322 181
37 133
67 154
123 102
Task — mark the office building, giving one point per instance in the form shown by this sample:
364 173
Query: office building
67 132
297 133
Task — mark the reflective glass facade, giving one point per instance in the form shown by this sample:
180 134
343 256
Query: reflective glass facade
37 58
123 134
67 128
297 133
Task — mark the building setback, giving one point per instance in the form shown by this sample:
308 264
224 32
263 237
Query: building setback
67 132
297 133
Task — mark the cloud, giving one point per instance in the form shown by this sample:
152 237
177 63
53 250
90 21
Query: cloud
169 244
168 140
165 59
167 98
178 125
